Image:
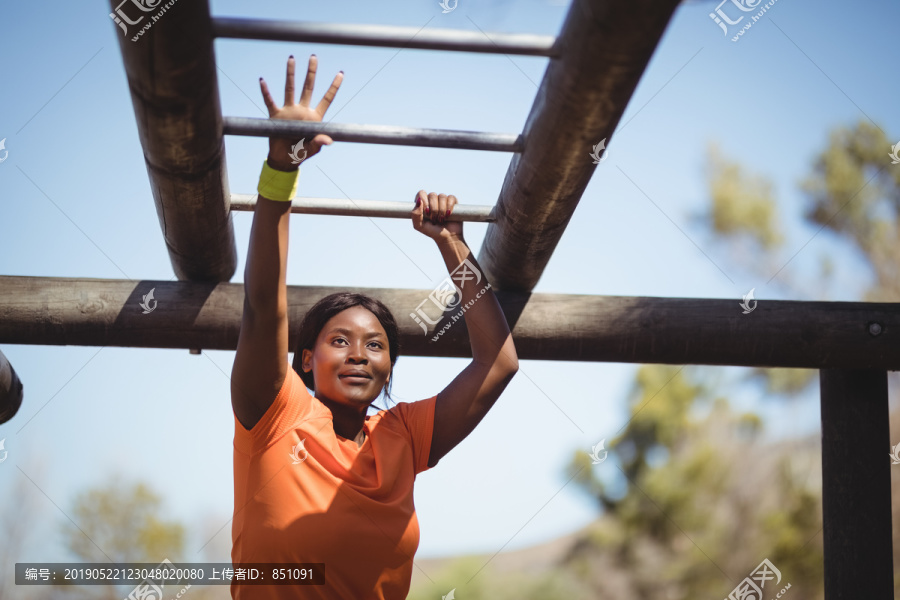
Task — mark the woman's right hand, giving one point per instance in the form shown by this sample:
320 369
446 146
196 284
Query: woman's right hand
280 149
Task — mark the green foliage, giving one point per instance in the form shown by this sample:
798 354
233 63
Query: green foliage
687 526
842 196
122 523
741 203
472 580
854 191
784 381
790 525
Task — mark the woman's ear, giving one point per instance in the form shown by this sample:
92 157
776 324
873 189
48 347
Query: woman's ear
305 363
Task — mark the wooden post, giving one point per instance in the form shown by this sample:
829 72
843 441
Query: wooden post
856 485
10 390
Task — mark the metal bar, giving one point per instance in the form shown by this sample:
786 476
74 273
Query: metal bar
376 134
385 36
364 208
10 390
856 485
778 333
172 80
603 54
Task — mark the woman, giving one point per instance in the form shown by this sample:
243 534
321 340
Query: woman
316 480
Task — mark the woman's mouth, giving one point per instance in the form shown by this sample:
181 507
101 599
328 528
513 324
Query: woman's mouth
355 378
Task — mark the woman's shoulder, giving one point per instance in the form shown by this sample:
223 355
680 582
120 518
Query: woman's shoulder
292 405
405 415
412 424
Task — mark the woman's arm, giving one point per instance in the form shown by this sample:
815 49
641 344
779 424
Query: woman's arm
464 402
260 364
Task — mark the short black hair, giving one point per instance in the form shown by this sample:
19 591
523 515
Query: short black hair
326 308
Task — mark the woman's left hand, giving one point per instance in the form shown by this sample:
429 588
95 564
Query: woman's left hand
430 216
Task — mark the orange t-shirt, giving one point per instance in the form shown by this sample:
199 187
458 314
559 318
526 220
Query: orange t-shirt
346 506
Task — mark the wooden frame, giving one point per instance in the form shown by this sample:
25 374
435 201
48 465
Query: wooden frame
596 63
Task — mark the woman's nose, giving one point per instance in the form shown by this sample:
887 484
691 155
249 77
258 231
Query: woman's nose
357 353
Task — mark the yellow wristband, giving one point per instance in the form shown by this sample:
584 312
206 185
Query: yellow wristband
277 185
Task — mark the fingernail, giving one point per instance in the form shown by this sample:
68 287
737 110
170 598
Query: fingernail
313 54
291 56
260 78
427 210
341 72
417 202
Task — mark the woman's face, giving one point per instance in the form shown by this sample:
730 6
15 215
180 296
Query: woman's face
352 361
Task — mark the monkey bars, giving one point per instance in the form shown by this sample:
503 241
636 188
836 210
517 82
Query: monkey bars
459 40
365 208
595 64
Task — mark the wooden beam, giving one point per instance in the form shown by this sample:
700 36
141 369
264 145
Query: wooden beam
10 390
856 485
172 79
603 49
778 333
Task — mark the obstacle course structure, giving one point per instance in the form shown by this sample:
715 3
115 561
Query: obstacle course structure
595 64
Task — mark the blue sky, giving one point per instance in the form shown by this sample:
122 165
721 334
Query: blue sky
75 202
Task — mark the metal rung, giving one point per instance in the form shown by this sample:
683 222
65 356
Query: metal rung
375 134
365 208
386 36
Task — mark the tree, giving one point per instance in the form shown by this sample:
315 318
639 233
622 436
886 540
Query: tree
854 191
683 511
120 523
700 501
